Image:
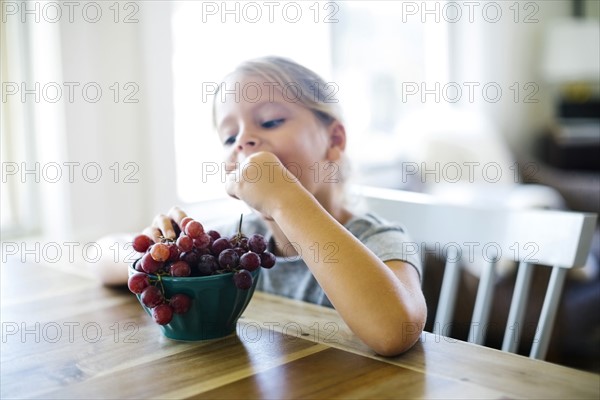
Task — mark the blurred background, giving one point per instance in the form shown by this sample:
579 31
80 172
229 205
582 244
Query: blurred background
106 106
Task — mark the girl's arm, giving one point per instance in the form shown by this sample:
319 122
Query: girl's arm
381 302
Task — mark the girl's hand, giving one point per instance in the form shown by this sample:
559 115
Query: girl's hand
165 225
260 181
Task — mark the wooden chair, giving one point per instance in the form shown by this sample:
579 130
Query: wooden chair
558 239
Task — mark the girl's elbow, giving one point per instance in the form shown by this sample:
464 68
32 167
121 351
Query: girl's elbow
401 336
396 343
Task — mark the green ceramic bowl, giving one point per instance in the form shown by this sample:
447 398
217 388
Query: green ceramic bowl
217 304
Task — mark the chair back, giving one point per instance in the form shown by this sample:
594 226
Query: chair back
558 239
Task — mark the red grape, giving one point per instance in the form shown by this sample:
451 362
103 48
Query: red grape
242 279
184 222
229 259
267 259
207 264
219 245
180 303
160 252
214 234
257 244
185 243
149 265
151 296
138 282
162 314
180 268
174 252
190 257
250 261
202 241
194 229
202 251
240 252
141 243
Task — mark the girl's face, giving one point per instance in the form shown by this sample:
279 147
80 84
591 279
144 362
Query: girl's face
259 117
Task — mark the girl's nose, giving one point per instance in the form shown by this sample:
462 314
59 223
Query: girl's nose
247 142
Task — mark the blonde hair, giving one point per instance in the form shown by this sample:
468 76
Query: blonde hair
310 89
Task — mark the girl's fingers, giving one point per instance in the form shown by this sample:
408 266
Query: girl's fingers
177 214
230 167
163 223
153 232
231 183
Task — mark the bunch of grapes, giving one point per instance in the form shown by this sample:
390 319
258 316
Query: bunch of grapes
193 252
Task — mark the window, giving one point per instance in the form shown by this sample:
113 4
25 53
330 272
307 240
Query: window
32 130
367 48
381 49
206 49
18 214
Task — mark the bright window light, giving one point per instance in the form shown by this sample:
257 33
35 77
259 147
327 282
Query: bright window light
206 50
372 54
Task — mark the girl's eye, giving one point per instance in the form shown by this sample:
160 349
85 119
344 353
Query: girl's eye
273 123
229 141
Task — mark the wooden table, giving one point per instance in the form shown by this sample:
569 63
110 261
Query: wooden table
64 336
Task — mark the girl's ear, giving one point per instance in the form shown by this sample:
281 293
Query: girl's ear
337 141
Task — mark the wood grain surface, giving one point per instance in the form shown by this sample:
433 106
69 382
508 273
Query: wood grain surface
64 336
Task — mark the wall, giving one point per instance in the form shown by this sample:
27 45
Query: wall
508 52
141 133
127 138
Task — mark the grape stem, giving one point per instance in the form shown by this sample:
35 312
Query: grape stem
164 239
162 287
239 234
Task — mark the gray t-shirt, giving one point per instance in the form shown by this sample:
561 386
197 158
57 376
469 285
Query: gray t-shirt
290 277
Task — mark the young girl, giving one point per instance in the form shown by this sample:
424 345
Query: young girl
278 126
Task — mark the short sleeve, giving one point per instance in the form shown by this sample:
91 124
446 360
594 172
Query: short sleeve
387 241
